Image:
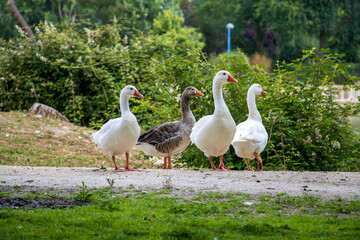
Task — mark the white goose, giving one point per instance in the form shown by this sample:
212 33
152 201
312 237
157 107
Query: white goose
251 137
119 135
213 134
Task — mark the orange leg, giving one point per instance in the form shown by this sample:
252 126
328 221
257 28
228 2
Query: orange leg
222 166
247 163
259 164
116 167
211 162
127 168
169 163
165 162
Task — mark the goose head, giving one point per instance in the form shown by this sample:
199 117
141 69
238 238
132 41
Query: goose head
192 92
223 77
131 91
257 89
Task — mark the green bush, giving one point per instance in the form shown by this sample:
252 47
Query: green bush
307 129
80 71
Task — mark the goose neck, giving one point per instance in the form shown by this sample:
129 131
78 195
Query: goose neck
185 108
219 102
253 112
124 104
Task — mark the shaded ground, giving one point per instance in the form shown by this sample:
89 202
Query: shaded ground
33 203
62 181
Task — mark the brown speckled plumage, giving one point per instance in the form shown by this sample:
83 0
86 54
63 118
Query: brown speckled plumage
167 137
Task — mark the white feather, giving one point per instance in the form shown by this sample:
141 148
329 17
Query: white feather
251 136
118 136
213 134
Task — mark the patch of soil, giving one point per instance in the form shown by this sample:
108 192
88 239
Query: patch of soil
34 203
64 181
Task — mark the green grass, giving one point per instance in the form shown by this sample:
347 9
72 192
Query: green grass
119 215
26 140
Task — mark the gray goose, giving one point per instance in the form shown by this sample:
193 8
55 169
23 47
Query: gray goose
172 137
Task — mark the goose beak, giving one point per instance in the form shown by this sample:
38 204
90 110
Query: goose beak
263 92
138 94
231 79
198 93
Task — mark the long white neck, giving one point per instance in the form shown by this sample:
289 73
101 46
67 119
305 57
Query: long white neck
124 104
220 105
253 112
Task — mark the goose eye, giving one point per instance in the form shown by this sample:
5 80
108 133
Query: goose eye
224 73
131 89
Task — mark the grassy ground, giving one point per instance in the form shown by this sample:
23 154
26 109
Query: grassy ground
28 140
134 214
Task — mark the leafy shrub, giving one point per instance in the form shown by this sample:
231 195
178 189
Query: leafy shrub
80 71
307 129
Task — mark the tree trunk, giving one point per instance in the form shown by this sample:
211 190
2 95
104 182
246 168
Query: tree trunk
19 17
322 40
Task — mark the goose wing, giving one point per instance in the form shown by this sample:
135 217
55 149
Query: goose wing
251 131
161 133
105 128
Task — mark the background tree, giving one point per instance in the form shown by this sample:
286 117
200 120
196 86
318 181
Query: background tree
169 28
139 14
211 18
278 28
322 16
346 38
33 11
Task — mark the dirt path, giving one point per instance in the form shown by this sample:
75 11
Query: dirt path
184 183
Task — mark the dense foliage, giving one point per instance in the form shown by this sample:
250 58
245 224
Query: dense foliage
279 29
80 71
139 14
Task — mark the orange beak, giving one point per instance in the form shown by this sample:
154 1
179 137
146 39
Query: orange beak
263 92
231 79
138 94
198 93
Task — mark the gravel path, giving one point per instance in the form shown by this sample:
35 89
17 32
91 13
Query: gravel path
184 183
